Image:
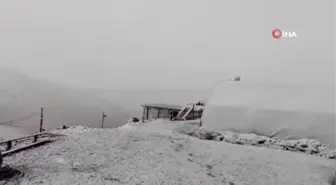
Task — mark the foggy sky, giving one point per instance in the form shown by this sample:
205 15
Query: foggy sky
168 43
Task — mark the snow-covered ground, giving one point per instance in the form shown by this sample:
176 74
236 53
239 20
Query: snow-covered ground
163 153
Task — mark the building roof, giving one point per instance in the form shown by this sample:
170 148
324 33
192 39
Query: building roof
161 105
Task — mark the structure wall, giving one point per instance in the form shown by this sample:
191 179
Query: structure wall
155 113
164 113
144 116
152 113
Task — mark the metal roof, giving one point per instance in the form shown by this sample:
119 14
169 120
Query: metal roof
161 105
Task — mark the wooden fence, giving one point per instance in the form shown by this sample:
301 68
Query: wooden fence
22 143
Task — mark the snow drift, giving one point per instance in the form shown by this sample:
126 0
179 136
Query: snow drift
279 110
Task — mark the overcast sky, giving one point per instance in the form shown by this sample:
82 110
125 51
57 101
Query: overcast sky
167 43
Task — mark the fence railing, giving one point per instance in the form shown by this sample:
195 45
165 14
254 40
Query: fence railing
22 143
10 146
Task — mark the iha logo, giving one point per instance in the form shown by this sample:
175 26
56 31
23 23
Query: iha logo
277 34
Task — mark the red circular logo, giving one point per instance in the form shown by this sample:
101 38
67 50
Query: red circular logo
276 33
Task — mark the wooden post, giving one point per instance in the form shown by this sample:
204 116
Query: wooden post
35 138
41 120
1 160
143 114
9 145
333 182
158 115
103 119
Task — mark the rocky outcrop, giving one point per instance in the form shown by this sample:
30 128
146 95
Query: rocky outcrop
307 146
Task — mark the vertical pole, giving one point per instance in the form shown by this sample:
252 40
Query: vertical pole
9 145
334 174
1 160
35 138
103 119
41 120
143 114
158 114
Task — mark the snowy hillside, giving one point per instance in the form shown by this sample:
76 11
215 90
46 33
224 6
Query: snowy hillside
159 153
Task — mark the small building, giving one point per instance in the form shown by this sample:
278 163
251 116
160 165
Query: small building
162 111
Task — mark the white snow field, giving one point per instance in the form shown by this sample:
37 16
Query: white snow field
158 153
280 110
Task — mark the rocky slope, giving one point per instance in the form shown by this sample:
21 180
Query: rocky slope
306 146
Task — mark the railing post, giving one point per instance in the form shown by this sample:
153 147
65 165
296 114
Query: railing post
1 160
9 145
35 138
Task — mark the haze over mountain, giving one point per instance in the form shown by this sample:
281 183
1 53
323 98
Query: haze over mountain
143 45
22 96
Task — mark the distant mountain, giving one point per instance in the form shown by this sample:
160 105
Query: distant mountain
22 96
